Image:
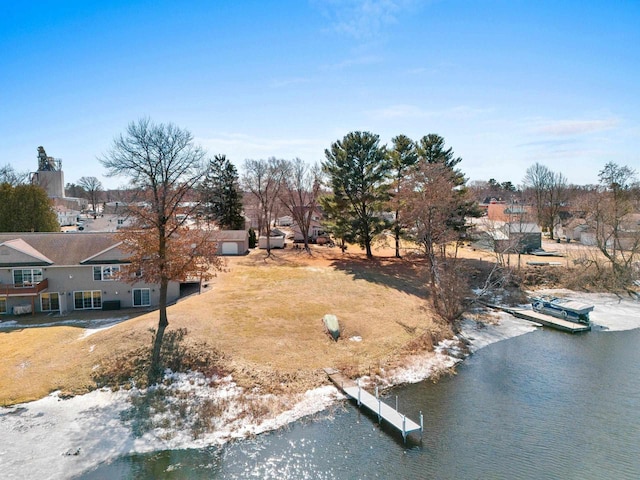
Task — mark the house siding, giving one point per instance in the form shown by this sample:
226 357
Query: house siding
67 279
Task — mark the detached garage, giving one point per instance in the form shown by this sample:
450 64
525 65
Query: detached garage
228 248
232 242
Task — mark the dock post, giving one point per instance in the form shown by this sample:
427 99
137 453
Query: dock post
421 424
396 403
404 428
358 392
379 412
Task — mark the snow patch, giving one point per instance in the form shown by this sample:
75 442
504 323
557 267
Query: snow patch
611 311
55 438
480 335
91 326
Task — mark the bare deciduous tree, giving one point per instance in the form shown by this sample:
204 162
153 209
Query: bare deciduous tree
14 178
435 207
549 193
611 211
299 194
163 166
264 180
92 188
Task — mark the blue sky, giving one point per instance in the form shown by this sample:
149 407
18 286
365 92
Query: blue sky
507 83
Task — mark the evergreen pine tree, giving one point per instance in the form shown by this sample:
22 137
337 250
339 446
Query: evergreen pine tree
221 194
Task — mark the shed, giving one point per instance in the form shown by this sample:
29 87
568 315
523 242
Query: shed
274 241
519 237
525 236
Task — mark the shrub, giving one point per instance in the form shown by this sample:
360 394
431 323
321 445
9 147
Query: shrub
253 241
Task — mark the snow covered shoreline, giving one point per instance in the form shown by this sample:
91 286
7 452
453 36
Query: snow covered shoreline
55 438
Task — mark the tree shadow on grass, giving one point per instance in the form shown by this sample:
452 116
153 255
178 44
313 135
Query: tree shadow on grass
158 406
408 274
403 274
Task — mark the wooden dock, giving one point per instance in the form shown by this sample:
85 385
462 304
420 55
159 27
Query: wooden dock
544 319
373 403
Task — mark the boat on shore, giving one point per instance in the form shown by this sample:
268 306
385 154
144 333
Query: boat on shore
331 324
564 308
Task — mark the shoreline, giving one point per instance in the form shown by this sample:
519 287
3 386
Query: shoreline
61 438
56 438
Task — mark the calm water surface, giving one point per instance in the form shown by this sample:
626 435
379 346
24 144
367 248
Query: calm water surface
542 405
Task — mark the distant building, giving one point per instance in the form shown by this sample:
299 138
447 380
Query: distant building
66 217
509 212
49 175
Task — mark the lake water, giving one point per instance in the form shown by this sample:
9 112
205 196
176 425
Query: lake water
542 405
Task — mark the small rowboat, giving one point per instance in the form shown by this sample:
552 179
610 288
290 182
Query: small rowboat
332 325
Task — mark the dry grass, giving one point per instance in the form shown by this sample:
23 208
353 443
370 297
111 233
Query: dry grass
37 361
263 315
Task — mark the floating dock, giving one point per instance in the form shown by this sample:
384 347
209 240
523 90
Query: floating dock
546 320
373 403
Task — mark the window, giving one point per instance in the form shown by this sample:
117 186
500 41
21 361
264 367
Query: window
27 276
50 302
90 299
141 297
106 273
3 305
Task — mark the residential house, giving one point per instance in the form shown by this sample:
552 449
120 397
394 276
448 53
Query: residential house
65 216
628 235
629 238
317 232
62 272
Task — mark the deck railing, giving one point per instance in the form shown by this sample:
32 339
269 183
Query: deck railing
23 289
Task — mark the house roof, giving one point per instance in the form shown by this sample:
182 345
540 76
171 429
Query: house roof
25 251
517 227
575 223
109 254
230 235
58 248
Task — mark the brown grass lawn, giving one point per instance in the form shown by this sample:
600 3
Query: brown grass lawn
263 314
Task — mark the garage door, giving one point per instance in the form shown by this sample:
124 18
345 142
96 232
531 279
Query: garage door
229 248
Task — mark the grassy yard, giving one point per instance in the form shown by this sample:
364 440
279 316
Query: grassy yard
264 315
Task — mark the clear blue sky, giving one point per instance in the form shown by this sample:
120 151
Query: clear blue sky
507 83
